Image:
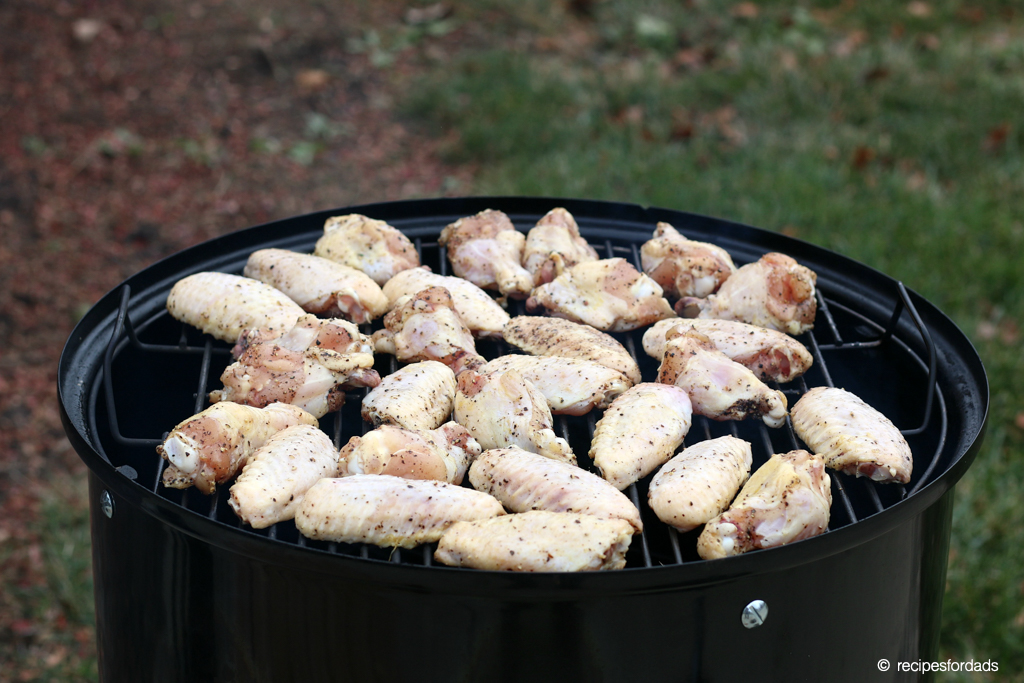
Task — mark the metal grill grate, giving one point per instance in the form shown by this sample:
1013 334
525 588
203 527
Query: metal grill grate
842 341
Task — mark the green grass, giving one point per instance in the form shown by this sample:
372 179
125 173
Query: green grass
887 132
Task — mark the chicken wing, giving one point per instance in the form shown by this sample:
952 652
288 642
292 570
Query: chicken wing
443 454
388 511
640 430
774 292
366 244
318 285
505 409
555 233
426 326
487 250
787 499
570 385
852 436
698 484
609 294
719 388
537 541
224 305
417 396
483 315
771 355
526 481
542 336
212 446
311 366
278 474
684 267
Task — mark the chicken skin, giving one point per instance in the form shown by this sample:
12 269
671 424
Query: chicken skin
483 315
426 326
442 454
774 292
698 484
211 447
571 386
610 295
526 481
542 336
417 396
487 250
318 285
366 244
388 511
719 388
224 305
684 267
852 436
537 541
787 499
278 474
311 366
771 355
555 233
640 430
505 409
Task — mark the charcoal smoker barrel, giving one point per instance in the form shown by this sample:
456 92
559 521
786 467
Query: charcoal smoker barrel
184 592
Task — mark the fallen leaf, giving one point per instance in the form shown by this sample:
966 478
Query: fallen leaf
425 15
929 41
996 137
916 181
972 15
919 9
86 30
853 40
986 330
790 230
312 79
1009 333
876 74
1019 420
745 10
862 156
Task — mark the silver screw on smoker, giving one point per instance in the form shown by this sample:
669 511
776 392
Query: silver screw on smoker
755 613
107 504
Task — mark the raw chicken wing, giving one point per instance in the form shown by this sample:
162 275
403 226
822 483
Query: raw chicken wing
443 454
543 336
537 541
417 396
787 499
684 267
483 315
278 474
555 233
388 511
366 244
609 294
852 436
698 484
571 386
487 250
640 431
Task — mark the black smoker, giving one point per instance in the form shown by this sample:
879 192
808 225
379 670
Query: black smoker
184 593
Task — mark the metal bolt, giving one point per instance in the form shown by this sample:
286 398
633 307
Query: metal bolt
107 504
755 613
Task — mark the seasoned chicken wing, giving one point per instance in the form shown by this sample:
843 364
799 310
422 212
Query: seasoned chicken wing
212 446
278 474
640 430
852 436
483 315
318 285
718 387
771 355
388 511
542 336
443 454
698 484
426 326
555 233
537 541
787 499
487 250
684 267
224 305
417 396
311 366
504 409
526 481
366 244
609 294
570 385
774 292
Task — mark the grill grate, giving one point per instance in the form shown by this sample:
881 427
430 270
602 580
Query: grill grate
842 343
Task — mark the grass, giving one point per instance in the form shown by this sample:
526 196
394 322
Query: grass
888 132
